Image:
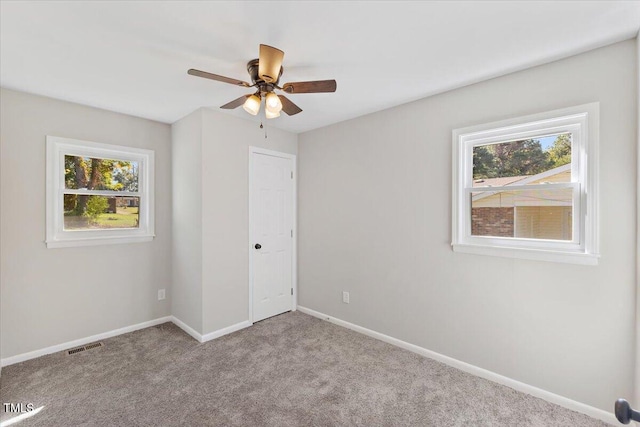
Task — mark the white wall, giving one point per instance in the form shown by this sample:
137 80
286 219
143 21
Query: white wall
211 217
225 212
52 296
375 220
186 165
637 371
1 281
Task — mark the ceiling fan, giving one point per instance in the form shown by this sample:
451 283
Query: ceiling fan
265 74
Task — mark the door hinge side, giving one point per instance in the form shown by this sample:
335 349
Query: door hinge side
291 174
291 291
291 233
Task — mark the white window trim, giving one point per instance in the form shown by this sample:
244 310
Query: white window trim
56 236
580 120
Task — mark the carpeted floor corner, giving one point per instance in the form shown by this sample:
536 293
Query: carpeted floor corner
290 370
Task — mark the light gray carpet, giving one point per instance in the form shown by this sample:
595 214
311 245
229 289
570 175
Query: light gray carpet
290 370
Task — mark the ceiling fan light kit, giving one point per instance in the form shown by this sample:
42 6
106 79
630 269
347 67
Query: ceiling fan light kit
271 115
252 104
273 103
265 73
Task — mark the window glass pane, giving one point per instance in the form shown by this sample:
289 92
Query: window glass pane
100 174
530 214
519 162
83 212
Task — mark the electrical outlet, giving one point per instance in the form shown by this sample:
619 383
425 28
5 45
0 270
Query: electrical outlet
345 297
160 294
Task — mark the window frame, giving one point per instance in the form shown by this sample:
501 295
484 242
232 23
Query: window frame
582 122
56 235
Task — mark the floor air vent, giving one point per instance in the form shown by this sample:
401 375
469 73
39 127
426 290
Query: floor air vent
84 348
94 345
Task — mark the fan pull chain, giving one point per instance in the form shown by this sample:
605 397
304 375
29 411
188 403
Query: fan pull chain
265 130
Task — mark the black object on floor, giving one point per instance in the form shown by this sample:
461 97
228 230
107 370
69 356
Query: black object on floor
624 413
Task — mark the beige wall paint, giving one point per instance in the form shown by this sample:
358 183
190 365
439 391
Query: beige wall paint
186 245
375 220
52 296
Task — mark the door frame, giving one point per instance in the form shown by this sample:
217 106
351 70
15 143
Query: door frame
294 241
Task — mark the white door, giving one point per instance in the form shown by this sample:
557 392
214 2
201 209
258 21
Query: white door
271 234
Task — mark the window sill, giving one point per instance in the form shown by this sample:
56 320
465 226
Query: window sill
531 254
95 241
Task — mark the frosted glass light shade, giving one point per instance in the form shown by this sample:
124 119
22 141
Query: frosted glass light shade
270 114
252 105
273 103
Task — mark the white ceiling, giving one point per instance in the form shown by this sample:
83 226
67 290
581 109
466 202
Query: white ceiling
132 57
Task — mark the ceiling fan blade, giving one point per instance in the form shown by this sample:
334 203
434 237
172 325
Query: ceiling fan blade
235 103
223 79
270 63
289 107
310 87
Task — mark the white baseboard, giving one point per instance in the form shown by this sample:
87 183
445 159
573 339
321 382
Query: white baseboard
82 341
224 331
211 335
188 329
474 370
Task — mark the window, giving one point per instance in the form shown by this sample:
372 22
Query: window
527 188
98 193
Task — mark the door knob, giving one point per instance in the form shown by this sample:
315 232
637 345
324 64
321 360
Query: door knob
624 413
258 246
